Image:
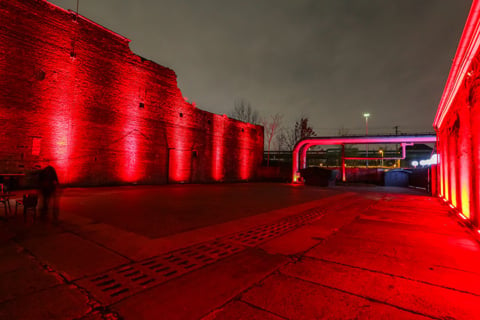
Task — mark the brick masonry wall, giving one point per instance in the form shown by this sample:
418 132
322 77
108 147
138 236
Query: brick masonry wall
459 147
72 94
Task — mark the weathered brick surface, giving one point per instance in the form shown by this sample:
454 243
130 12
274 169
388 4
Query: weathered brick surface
72 92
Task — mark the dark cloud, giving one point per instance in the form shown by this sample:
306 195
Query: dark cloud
329 59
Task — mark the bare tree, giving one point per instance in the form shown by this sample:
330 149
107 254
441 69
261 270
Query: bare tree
289 137
271 126
304 128
243 111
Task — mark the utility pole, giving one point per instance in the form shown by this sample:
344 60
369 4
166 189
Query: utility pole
77 9
366 115
396 130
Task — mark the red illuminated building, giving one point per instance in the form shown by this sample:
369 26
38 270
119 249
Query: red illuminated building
457 125
72 94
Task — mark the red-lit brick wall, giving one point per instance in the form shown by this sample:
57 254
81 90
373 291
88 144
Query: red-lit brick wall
73 94
458 146
458 126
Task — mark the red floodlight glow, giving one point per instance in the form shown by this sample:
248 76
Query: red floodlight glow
296 177
244 156
218 147
456 121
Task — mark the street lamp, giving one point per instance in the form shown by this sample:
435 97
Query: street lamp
381 152
366 115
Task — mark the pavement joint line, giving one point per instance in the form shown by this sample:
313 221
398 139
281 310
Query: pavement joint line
363 297
264 310
321 241
31 293
457 269
81 237
91 302
41 266
96 307
238 296
44 266
67 231
394 275
98 244
16 238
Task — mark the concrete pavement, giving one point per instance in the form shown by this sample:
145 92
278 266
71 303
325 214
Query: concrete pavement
342 253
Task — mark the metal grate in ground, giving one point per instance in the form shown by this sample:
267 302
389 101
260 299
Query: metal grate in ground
118 283
125 281
122 282
306 216
263 233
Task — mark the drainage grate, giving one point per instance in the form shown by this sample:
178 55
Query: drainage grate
122 282
125 281
263 233
118 283
260 234
305 216
205 252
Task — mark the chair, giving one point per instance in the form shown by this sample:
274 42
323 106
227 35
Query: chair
29 202
6 203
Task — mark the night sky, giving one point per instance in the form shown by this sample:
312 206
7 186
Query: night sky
330 60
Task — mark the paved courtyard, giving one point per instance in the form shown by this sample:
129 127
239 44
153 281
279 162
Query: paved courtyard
158 211
241 251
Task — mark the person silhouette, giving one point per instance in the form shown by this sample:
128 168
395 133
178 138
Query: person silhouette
48 185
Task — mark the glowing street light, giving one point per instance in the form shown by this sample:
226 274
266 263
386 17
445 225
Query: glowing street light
381 152
366 115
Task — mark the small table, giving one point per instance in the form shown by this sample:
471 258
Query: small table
4 176
5 199
4 194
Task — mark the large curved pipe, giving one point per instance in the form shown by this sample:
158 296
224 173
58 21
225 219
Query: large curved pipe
303 155
303 145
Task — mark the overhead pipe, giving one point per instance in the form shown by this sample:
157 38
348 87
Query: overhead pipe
303 145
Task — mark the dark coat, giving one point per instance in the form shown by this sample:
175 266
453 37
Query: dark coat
48 179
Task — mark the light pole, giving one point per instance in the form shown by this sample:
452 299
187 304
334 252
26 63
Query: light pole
366 115
381 152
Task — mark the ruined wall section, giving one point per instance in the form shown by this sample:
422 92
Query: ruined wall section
73 94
